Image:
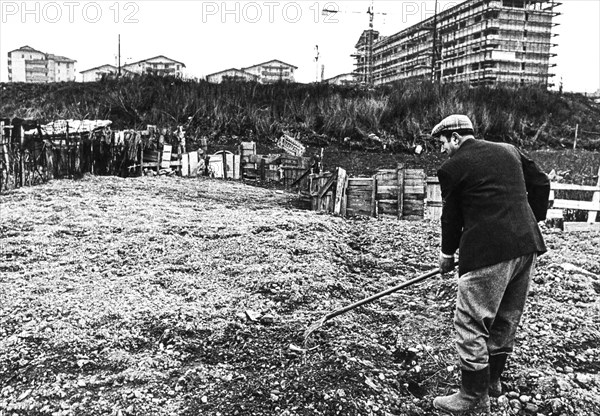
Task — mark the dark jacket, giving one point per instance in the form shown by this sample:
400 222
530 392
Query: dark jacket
493 198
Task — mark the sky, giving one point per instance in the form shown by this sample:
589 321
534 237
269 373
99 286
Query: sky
210 36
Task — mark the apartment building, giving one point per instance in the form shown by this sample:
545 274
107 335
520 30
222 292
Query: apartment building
342 79
27 64
480 42
231 74
107 70
158 65
272 71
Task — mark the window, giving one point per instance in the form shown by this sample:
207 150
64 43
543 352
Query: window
523 66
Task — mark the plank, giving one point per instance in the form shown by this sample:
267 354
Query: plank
185 165
327 186
387 182
340 191
595 200
387 190
359 189
360 181
581 227
166 156
374 199
554 214
193 164
582 205
570 187
400 179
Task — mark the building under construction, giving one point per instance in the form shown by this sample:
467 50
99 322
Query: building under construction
481 42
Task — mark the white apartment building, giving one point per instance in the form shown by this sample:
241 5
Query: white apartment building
27 64
158 65
231 74
96 74
272 71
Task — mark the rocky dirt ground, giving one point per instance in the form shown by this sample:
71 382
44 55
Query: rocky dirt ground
167 296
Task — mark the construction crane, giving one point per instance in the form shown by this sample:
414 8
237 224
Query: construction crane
370 39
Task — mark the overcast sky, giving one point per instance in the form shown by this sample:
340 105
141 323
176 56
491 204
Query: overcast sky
209 36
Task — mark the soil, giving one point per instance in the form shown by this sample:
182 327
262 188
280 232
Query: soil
172 296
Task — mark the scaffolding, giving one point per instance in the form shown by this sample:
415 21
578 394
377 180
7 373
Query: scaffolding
481 42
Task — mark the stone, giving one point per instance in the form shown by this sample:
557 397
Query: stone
512 395
557 406
503 402
515 404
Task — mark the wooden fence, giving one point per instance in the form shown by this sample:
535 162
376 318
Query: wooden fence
592 206
283 168
408 194
36 156
398 193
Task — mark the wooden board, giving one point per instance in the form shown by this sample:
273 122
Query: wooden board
185 165
595 200
340 191
193 157
388 207
581 226
569 187
582 205
166 157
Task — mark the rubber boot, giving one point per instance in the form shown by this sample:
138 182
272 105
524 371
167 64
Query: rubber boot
497 364
472 399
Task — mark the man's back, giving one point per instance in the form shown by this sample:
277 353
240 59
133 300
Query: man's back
486 209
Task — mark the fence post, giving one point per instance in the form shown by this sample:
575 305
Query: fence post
595 199
22 156
2 167
340 191
374 205
576 132
400 170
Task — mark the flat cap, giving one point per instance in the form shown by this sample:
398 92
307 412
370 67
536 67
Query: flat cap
452 123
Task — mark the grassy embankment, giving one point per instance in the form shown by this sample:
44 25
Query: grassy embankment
401 114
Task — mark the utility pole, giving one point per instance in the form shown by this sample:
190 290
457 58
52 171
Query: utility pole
434 54
119 53
316 63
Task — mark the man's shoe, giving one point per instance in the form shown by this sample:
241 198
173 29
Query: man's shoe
472 399
497 364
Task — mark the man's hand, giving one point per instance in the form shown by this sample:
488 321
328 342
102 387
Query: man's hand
446 263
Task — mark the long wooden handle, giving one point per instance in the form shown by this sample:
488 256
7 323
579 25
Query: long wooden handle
381 294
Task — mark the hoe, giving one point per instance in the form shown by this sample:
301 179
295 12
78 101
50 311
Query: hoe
376 296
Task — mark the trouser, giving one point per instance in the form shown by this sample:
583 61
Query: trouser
489 307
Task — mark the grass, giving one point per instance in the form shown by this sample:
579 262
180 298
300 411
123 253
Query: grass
401 114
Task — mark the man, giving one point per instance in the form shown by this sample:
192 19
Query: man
493 198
